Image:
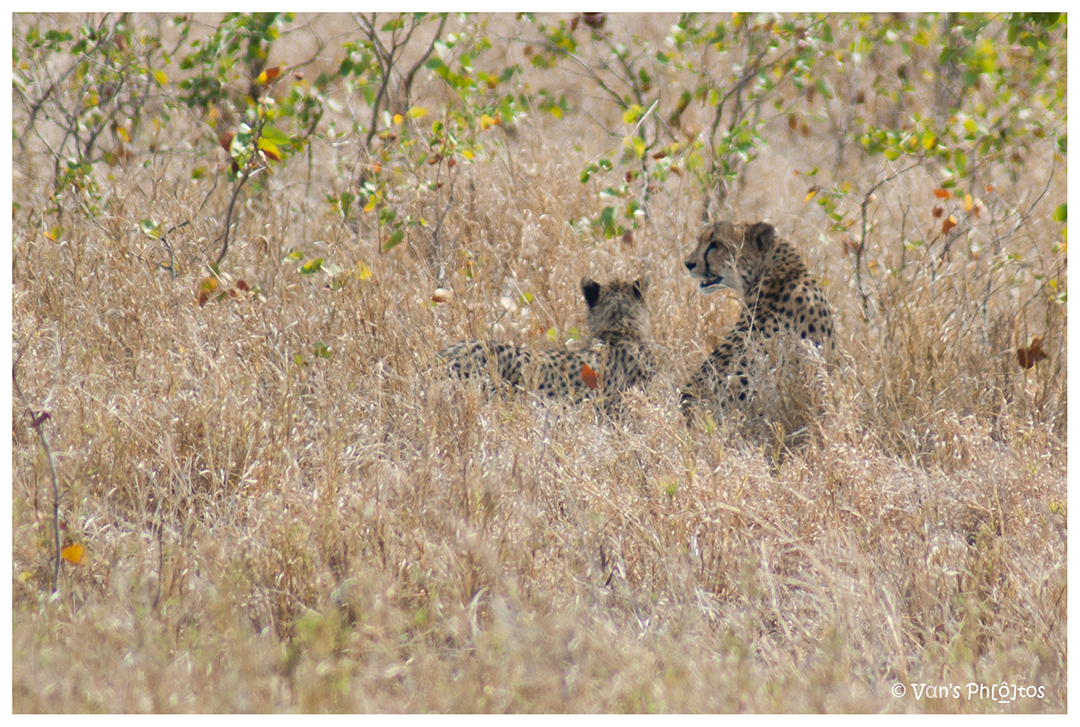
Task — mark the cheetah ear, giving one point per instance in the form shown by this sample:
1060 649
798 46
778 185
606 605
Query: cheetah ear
640 286
718 230
591 289
762 235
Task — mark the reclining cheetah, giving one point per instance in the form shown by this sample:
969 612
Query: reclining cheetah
619 357
780 297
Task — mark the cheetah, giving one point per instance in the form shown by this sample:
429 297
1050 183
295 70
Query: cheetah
619 357
780 299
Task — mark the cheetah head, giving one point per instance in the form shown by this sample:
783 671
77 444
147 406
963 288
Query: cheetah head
617 308
730 256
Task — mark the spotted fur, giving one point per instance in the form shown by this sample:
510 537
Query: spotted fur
781 301
620 354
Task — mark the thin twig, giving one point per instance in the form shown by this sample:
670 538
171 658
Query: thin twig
165 242
228 216
37 421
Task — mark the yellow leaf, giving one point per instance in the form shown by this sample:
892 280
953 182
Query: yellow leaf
417 112
270 149
74 553
399 119
486 122
467 154
556 112
363 271
810 195
968 204
160 77
372 201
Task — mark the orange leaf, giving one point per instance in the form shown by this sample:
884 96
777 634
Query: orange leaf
589 377
1031 355
272 73
942 193
948 224
226 140
74 553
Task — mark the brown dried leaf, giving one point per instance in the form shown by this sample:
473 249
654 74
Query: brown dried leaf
589 377
1031 355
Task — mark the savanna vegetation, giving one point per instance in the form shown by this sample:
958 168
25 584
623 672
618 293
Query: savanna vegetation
241 483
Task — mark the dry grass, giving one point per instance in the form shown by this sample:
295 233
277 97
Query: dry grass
358 534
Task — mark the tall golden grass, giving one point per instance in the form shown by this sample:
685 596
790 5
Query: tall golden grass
285 509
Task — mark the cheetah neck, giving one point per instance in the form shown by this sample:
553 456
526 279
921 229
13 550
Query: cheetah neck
615 337
781 266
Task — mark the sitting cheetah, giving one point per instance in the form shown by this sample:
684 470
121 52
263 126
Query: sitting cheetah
780 297
619 357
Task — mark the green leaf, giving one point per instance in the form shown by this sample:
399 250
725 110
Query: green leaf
1061 213
151 229
311 266
393 240
278 137
294 255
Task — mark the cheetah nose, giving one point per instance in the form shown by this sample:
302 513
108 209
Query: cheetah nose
690 266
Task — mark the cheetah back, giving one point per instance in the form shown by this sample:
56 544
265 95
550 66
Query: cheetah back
620 354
